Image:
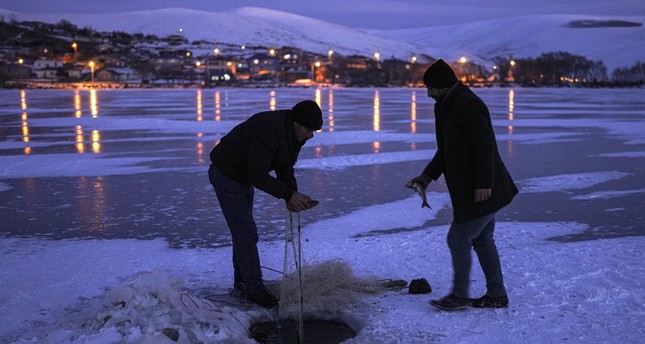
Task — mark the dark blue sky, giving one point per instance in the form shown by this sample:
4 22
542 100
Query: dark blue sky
371 14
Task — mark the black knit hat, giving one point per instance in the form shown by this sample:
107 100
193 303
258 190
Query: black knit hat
308 114
439 75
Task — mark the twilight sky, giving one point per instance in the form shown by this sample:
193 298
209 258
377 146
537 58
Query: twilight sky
370 14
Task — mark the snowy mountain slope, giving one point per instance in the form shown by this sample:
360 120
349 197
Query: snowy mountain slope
480 41
532 35
248 26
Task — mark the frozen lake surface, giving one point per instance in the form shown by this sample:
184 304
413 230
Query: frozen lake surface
132 163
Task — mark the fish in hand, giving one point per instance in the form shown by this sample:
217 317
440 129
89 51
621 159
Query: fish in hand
421 191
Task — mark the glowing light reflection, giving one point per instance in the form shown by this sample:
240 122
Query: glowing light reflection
272 101
199 106
200 152
330 116
218 105
511 108
377 111
24 126
80 145
511 116
96 142
511 104
413 112
377 146
94 108
77 104
23 100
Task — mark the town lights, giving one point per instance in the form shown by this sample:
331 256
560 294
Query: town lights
92 69
463 60
216 51
377 56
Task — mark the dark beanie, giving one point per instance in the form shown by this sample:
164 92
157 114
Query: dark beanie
439 75
308 114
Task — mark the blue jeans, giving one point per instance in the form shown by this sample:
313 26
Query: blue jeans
236 201
475 234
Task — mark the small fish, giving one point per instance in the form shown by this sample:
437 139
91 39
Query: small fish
421 191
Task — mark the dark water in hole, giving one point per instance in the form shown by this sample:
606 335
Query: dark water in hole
315 332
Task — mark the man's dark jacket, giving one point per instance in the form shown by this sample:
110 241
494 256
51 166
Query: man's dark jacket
467 155
263 143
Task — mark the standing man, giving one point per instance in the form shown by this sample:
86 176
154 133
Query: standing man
241 161
478 183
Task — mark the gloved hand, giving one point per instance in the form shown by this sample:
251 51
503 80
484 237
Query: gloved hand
422 179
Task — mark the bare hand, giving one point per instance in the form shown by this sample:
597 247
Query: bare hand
421 179
482 194
299 202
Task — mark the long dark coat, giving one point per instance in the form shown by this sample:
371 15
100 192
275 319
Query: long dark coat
263 143
467 155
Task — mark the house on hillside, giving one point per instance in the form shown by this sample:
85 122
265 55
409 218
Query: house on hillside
398 72
47 63
116 75
263 66
219 70
13 71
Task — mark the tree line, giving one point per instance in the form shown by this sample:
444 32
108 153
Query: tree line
562 68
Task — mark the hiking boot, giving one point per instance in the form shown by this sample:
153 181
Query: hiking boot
262 297
488 301
452 303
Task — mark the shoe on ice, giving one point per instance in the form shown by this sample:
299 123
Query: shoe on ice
238 291
488 301
452 303
262 297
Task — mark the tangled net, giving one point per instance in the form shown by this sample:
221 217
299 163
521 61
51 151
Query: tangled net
327 288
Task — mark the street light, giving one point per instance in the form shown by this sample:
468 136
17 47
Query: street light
75 47
92 69
511 77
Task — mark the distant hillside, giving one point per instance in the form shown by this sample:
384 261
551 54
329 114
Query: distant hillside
616 46
618 42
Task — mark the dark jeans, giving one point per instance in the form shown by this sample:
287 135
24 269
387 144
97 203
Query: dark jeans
475 234
236 201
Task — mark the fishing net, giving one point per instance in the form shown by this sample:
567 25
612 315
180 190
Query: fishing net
327 289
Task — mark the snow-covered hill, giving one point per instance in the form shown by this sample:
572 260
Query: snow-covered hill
481 41
618 42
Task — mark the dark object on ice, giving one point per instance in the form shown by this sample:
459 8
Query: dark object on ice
488 301
171 333
420 286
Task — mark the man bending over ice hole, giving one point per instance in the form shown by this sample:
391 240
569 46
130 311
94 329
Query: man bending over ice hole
241 161
478 183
